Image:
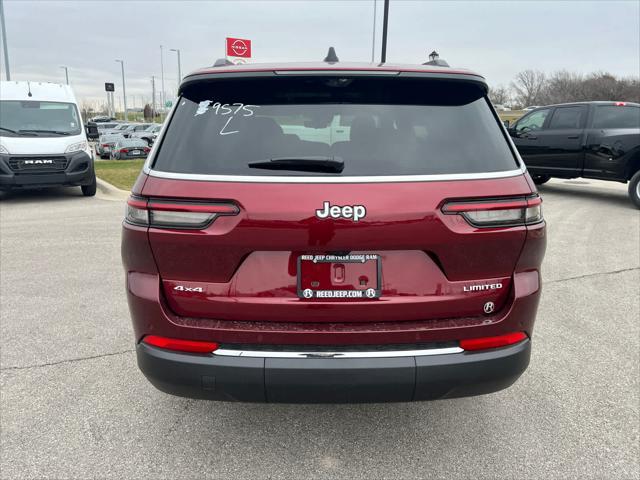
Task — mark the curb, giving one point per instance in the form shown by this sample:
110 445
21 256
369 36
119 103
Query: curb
112 191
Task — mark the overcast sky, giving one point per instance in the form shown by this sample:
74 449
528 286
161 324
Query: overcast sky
495 38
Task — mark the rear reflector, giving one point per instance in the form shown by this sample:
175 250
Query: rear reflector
485 343
178 345
508 212
174 214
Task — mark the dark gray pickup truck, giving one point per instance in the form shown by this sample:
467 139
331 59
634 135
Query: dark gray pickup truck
588 139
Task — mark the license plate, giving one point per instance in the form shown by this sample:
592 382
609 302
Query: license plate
107 149
352 276
136 152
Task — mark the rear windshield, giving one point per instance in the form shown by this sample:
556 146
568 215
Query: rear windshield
374 126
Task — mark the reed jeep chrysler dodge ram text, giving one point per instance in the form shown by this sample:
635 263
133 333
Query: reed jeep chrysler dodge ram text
333 232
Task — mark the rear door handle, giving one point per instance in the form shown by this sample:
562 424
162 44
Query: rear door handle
573 137
531 137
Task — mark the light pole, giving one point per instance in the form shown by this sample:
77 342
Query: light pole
66 73
124 91
373 40
162 75
385 22
4 42
153 96
177 50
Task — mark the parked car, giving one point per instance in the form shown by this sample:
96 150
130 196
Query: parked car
589 139
501 108
532 107
43 142
106 127
402 263
134 127
130 148
102 119
105 144
149 134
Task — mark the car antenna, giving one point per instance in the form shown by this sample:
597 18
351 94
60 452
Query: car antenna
331 56
29 89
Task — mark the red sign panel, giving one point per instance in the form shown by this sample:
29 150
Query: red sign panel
238 47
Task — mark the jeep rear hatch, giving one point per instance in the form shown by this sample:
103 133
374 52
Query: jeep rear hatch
233 241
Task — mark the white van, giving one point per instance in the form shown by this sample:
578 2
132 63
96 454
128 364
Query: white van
43 142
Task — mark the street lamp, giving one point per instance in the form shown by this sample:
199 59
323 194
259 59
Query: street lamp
124 91
66 73
177 50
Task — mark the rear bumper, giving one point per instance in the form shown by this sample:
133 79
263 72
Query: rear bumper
333 380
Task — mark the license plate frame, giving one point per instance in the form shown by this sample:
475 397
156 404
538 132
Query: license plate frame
307 292
136 152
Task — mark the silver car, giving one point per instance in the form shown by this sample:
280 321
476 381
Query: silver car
149 134
104 146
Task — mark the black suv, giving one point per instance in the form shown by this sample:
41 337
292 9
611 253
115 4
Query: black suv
588 139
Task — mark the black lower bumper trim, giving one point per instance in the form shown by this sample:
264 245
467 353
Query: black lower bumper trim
333 380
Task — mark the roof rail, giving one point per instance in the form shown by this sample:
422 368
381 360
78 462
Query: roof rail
222 62
435 60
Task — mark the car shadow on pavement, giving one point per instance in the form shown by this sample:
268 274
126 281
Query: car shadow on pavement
41 194
618 198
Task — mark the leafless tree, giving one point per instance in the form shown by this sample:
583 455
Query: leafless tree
499 95
563 86
528 87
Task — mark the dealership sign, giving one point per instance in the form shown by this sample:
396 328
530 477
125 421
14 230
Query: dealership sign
238 49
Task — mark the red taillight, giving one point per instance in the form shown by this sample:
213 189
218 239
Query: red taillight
484 343
147 149
179 345
174 214
105 145
621 104
504 212
124 150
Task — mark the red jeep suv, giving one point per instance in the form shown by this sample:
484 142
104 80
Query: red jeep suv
332 232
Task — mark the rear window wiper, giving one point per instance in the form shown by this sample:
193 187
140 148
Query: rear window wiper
303 164
57 132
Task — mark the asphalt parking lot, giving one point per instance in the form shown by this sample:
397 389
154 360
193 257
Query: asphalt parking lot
74 405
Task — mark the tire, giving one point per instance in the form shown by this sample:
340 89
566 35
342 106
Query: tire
90 190
634 189
540 179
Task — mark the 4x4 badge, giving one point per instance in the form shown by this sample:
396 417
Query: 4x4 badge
355 212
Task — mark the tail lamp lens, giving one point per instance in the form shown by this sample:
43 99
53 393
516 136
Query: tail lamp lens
509 212
179 345
176 215
484 343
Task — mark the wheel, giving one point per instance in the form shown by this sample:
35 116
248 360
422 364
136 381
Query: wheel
90 190
104 156
634 189
540 179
